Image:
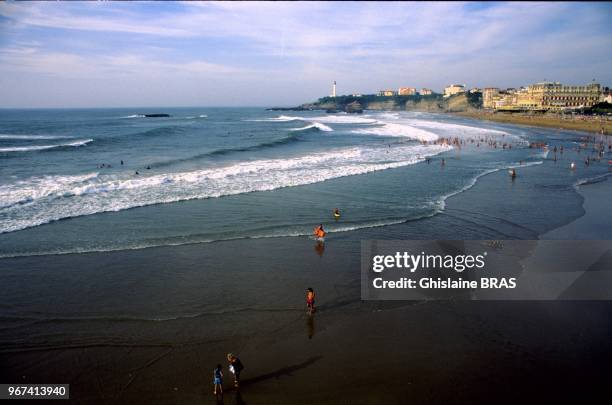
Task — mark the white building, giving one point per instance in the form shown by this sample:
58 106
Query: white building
453 89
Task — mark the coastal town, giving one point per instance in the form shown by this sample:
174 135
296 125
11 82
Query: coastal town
585 107
543 96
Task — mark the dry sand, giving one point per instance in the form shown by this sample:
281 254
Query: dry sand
577 124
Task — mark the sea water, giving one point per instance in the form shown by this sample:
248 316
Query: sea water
110 179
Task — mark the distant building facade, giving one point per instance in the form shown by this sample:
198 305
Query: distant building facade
453 89
387 93
407 91
542 96
489 95
549 95
425 92
606 95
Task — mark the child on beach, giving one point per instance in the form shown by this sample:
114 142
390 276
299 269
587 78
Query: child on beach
310 300
218 379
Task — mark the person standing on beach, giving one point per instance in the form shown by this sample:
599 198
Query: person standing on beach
235 367
218 379
310 300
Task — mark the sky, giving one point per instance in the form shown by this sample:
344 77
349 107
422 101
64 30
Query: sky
120 54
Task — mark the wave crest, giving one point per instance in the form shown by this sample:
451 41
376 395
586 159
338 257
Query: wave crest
113 192
317 125
77 143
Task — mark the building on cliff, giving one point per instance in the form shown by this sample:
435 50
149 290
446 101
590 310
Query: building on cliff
425 92
407 91
453 89
387 93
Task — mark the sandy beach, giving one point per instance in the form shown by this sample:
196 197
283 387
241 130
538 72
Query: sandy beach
586 124
349 351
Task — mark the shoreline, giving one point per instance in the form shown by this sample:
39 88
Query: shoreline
590 126
376 231
595 224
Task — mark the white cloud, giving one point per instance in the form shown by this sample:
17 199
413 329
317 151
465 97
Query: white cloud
265 48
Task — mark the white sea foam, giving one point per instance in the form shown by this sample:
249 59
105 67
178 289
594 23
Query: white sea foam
389 115
134 116
76 143
462 129
591 180
36 188
35 201
327 119
398 130
342 119
278 233
31 137
318 125
282 118
441 203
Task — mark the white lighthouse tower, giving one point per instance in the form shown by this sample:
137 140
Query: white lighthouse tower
334 89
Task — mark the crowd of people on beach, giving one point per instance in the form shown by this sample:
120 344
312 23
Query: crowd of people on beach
595 145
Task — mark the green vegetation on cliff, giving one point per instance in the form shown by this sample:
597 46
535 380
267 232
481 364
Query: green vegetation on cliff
433 103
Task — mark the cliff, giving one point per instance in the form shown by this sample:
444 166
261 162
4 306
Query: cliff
432 103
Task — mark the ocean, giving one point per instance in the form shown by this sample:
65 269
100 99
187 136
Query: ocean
89 180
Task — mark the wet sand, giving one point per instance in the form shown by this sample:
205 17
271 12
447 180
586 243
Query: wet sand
596 223
349 351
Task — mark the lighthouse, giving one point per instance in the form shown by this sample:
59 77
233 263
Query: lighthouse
334 89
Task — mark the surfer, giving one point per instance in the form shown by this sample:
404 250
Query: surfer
513 174
336 213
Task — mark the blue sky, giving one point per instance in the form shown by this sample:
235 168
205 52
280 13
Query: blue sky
97 54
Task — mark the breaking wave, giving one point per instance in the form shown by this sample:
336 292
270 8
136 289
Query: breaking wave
317 125
34 201
31 148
